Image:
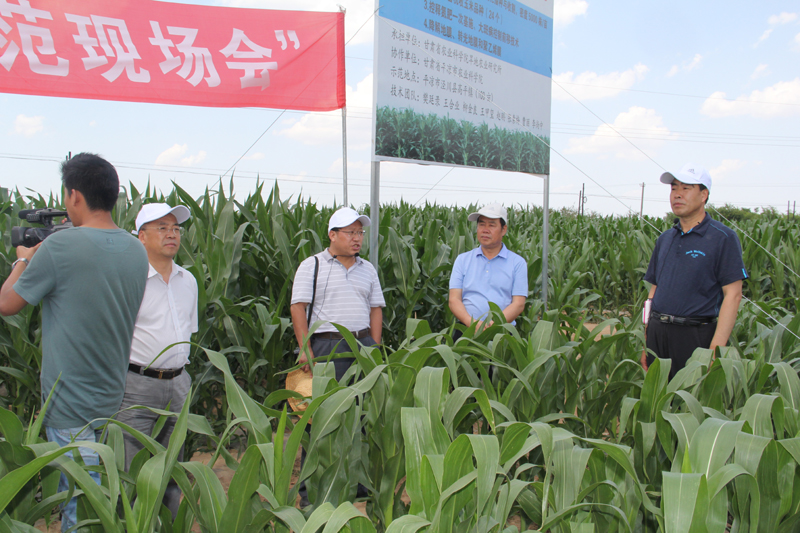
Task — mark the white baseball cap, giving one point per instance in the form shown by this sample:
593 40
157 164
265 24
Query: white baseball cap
346 216
490 211
690 174
151 212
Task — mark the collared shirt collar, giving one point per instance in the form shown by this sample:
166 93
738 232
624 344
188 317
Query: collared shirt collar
502 253
699 229
327 256
176 270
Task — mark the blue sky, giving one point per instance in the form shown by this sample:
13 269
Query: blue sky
714 82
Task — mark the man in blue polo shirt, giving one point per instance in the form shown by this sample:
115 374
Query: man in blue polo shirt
696 272
489 273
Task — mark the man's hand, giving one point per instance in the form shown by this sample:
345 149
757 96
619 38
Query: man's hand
480 325
27 253
303 359
12 303
731 298
644 360
457 307
298 311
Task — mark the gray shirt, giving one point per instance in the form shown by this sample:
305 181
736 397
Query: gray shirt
344 296
91 283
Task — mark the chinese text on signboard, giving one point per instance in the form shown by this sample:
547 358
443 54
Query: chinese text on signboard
149 51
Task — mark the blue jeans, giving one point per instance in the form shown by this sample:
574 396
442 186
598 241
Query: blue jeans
62 437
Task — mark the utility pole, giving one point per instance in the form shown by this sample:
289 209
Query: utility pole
582 201
641 206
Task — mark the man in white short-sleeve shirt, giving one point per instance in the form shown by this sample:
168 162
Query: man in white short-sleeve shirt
348 293
168 315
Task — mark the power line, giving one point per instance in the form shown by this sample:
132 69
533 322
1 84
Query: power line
674 94
704 133
710 206
284 111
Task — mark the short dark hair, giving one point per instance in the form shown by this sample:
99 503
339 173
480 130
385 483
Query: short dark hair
502 221
704 188
94 177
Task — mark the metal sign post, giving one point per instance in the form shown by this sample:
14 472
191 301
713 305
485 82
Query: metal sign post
374 213
344 155
545 238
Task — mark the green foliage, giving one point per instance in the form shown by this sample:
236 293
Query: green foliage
545 423
732 213
406 134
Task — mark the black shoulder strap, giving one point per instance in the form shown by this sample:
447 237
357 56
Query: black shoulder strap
313 290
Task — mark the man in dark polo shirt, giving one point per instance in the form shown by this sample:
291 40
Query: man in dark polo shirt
696 272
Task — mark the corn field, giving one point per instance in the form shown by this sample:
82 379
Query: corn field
406 134
546 425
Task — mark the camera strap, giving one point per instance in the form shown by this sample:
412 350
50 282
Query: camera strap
313 290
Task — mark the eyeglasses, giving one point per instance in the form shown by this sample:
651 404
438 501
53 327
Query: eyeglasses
353 234
163 230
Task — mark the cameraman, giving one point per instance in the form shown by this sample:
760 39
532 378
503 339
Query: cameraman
91 279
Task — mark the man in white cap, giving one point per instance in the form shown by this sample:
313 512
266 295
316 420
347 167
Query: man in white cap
696 272
348 292
489 273
168 315
341 288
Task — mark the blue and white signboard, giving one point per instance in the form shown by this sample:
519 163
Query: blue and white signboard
464 82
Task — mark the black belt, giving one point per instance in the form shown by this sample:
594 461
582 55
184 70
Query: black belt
682 320
165 373
338 336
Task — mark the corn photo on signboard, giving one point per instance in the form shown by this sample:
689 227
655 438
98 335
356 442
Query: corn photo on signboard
464 82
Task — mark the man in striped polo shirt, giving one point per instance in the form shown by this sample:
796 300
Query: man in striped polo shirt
348 293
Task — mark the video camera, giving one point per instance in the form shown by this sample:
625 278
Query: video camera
29 237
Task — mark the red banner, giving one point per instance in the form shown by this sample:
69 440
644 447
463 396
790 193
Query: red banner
147 51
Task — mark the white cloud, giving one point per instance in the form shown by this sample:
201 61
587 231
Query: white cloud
642 126
783 18
778 100
254 157
764 37
326 128
774 21
194 159
693 63
725 170
797 38
28 126
593 86
176 156
686 66
565 11
761 70
360 168
292 177
358 13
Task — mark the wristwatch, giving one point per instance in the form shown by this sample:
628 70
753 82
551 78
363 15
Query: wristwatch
20 260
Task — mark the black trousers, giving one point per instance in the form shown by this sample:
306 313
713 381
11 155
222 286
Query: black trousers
322 348
671 341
